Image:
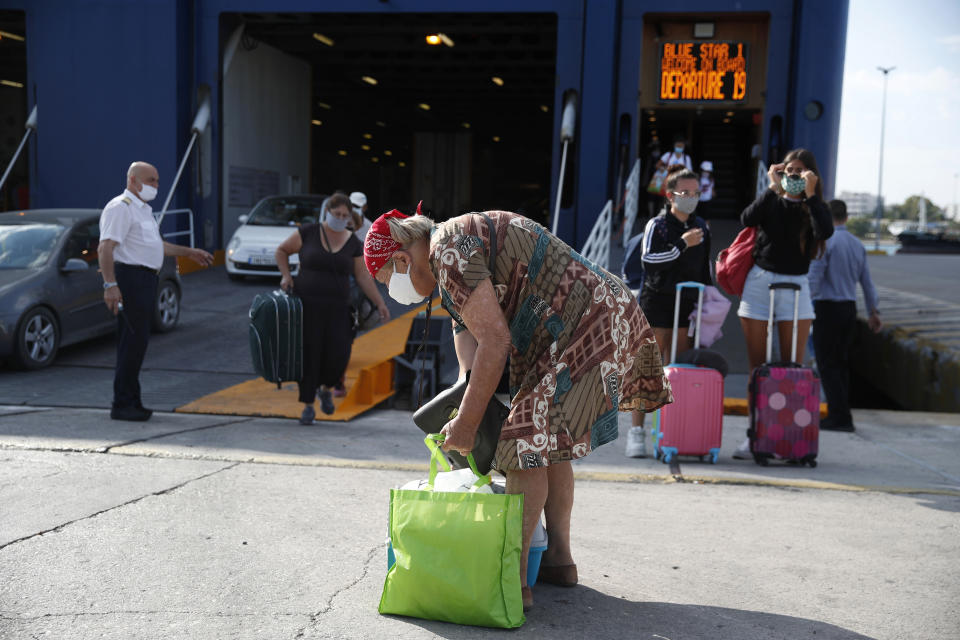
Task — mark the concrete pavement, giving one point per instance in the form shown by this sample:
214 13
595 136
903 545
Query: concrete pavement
217 527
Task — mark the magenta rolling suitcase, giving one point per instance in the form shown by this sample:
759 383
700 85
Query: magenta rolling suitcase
693 424
784 399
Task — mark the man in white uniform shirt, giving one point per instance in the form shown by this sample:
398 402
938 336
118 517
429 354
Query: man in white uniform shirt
131 254
677 155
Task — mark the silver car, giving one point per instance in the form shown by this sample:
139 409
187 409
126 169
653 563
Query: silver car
250 251
51 292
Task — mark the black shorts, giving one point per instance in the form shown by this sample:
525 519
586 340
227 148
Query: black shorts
658 308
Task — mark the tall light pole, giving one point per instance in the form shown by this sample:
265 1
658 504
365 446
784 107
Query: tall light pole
883 122
956 214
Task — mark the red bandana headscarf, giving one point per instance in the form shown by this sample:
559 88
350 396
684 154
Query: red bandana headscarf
380 245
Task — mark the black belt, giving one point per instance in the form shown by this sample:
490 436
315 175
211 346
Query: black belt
139 267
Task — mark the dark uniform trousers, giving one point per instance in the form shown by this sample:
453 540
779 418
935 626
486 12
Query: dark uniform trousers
832 338
138 287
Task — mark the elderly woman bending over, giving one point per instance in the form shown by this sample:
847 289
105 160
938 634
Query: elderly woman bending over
580 351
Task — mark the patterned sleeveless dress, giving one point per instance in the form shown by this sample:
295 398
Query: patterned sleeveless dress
581 347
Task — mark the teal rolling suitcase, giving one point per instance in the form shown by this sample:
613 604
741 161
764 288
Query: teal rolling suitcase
276 337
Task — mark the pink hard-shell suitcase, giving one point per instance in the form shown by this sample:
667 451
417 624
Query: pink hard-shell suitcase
784 400
693 424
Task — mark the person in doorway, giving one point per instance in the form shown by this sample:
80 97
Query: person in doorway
677 155
131 254
329 255
708 189
833 287
793 225
361 224
676 248
580 351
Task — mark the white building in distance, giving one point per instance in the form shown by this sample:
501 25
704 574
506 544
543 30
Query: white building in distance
859 203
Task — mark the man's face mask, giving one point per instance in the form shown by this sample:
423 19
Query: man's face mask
793 184
401 288
147 192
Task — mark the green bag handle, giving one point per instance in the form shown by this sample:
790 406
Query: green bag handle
433 442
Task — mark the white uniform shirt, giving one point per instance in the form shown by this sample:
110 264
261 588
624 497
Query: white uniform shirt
129 221
672 158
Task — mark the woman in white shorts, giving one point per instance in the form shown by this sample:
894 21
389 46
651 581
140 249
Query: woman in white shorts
793 224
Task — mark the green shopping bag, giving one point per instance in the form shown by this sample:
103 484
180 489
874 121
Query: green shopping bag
457 553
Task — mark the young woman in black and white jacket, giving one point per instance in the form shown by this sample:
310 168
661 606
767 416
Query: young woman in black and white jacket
676 248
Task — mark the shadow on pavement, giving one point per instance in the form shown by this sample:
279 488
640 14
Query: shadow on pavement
563 613
940 503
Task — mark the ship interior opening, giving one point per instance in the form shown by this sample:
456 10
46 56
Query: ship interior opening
13 109
456 110
727 137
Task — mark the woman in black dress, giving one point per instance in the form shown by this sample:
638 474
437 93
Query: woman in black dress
329 254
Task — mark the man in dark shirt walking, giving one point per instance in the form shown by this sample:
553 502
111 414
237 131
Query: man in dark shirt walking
833 287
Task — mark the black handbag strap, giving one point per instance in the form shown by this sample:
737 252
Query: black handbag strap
493 244
426 328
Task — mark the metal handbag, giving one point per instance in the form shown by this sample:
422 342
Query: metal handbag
434 415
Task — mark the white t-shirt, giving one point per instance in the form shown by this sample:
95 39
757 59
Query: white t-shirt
362 231
129 221
706 188
673 158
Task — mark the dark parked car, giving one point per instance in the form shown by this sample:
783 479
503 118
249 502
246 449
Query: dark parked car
51 292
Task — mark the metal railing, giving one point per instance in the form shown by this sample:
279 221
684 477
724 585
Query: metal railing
763 182
631 201
597 247
177 234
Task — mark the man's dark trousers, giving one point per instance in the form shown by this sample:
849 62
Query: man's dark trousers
138 287
832 338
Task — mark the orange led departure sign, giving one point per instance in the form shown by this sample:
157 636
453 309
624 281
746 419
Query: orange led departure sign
703 71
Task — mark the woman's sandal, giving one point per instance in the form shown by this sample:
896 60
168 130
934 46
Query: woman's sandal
562 575
527 595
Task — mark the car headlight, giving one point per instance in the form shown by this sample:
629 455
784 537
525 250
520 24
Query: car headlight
234 244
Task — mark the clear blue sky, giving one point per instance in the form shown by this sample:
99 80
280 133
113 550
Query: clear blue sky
921 39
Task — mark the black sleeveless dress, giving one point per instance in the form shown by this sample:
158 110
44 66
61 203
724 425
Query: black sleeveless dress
324 286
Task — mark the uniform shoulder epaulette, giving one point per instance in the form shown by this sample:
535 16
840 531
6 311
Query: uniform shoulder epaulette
126 200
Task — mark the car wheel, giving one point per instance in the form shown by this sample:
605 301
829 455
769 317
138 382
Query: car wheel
167 312
37 339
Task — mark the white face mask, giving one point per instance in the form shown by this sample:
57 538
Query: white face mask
147 192
686 204
402 290
335 223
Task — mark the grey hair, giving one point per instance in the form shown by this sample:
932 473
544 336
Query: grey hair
406 231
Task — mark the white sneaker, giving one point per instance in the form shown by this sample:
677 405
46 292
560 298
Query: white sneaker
636 443
743 451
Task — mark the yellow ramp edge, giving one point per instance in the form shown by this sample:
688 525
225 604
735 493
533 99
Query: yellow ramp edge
369 381
738 407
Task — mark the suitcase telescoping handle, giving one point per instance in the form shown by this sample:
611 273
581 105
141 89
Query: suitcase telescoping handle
796 316
676 315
